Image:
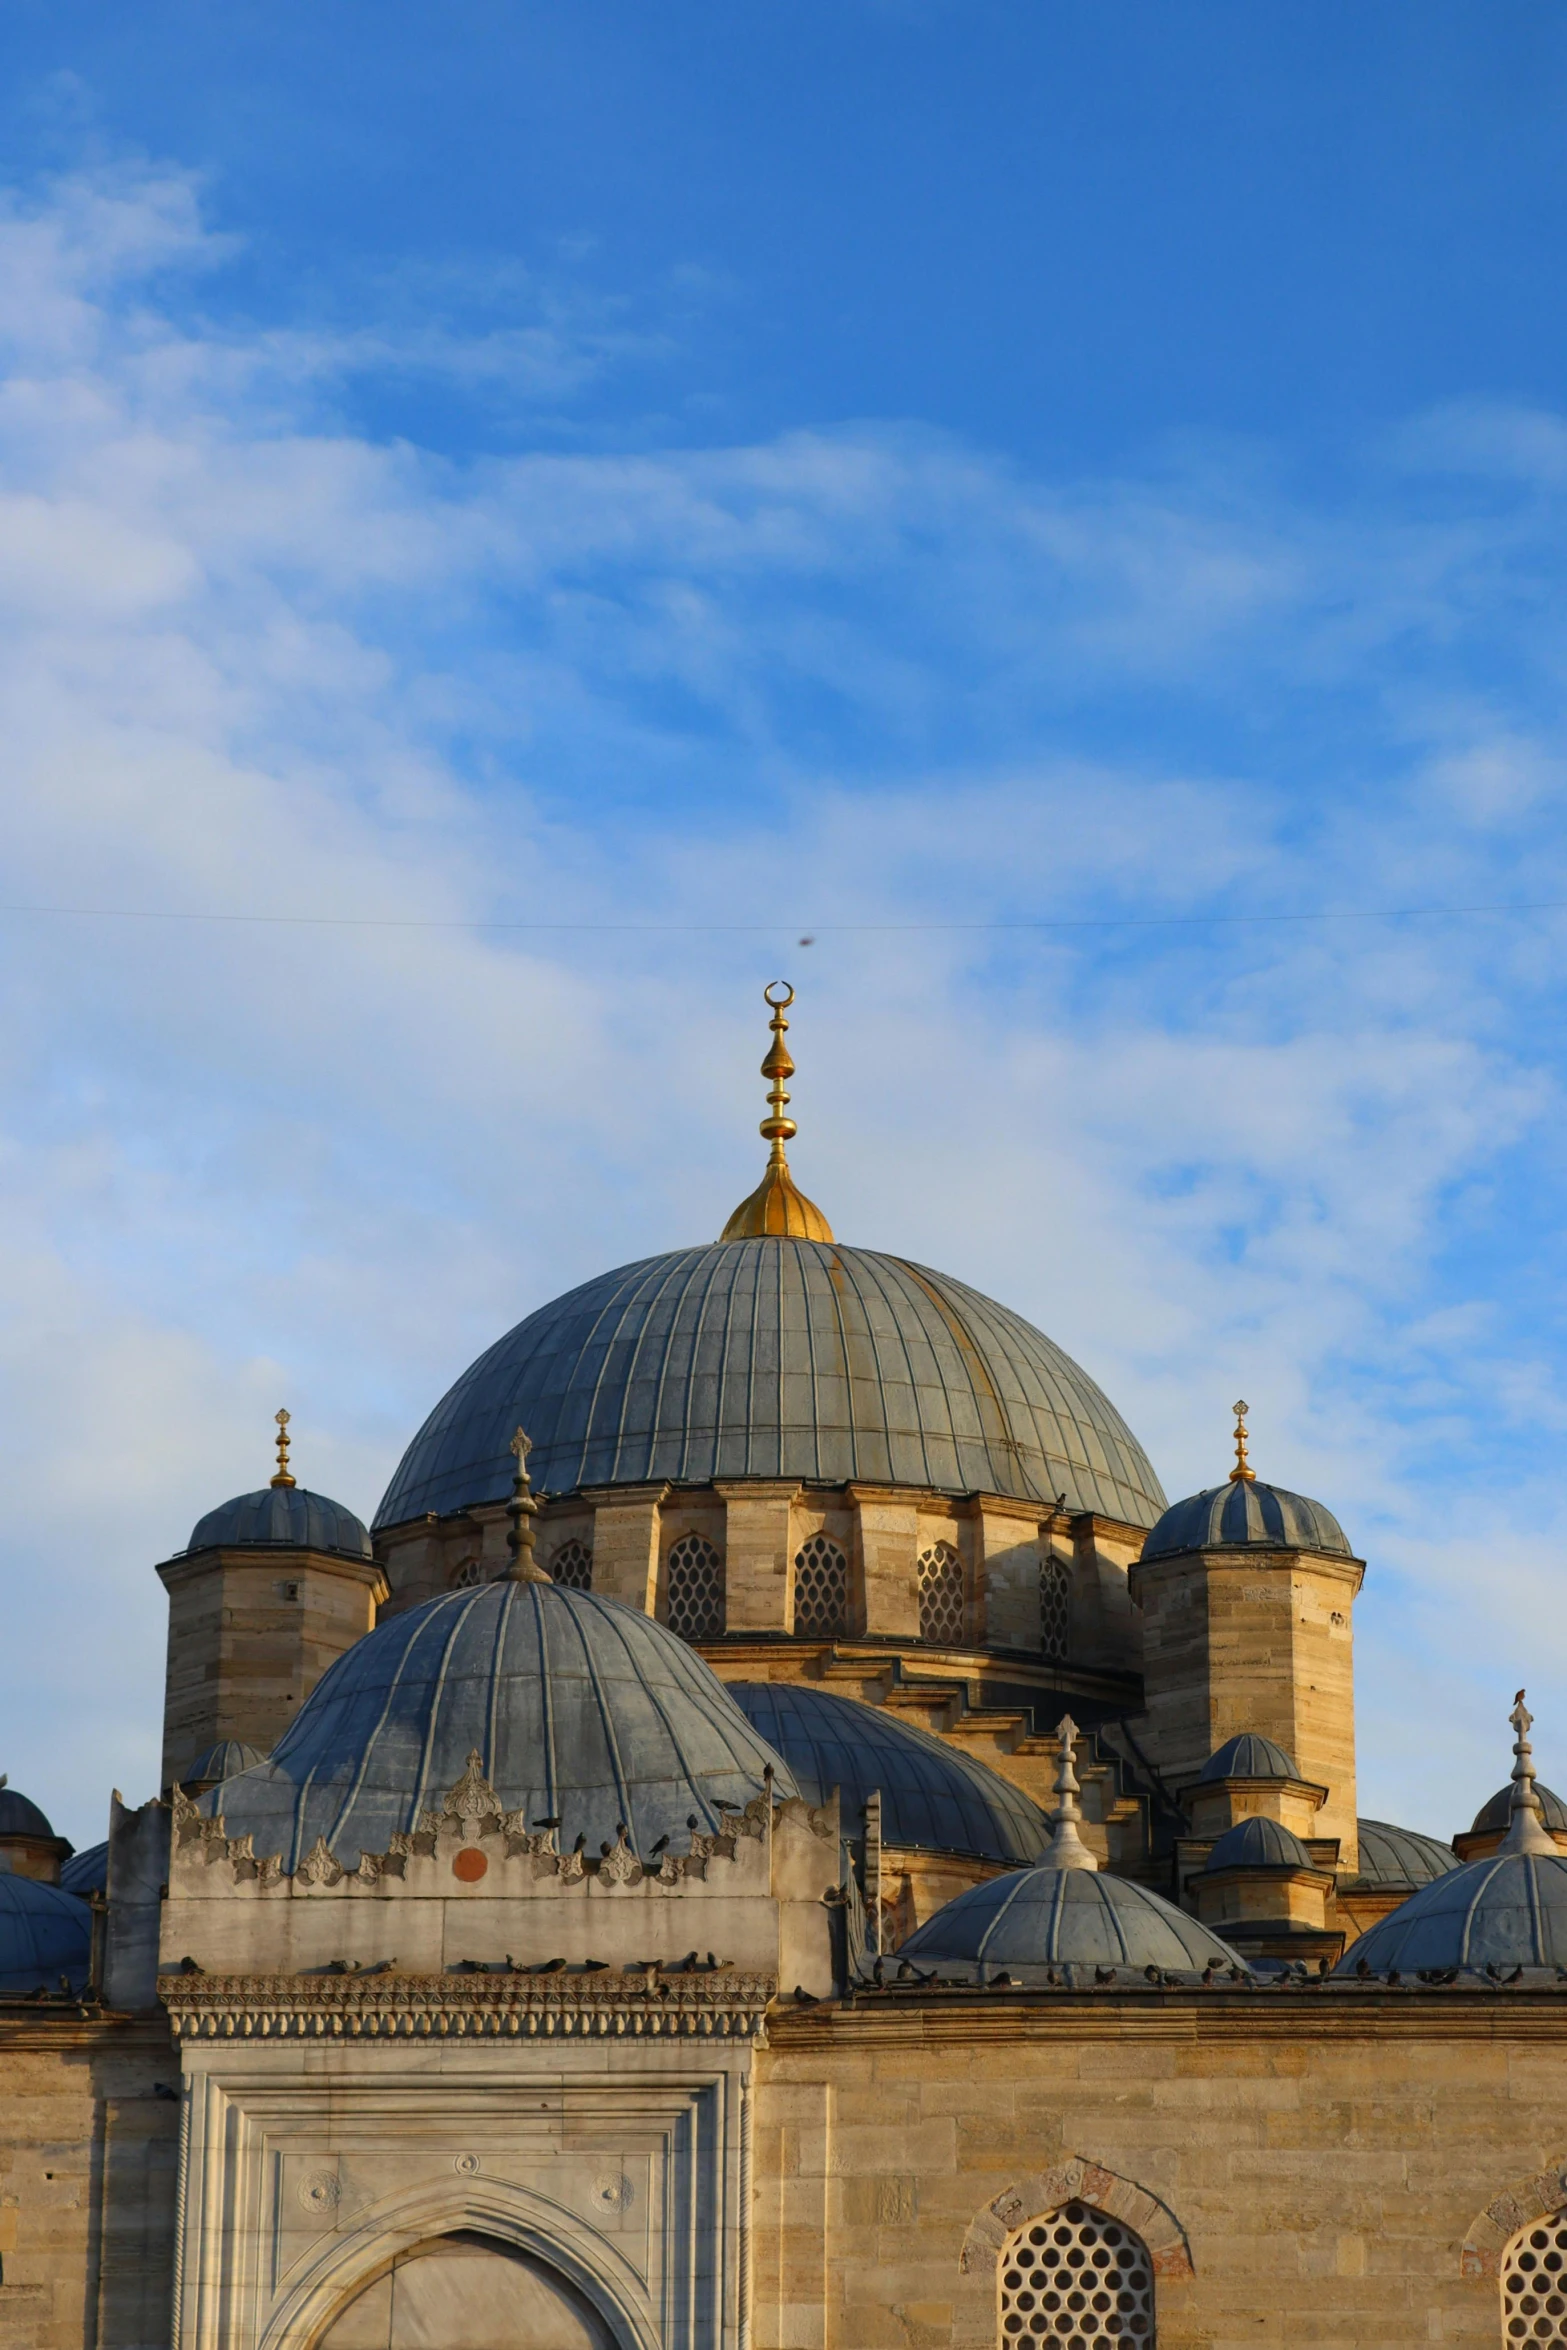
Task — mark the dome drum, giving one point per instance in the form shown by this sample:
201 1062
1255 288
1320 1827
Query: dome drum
1266 1892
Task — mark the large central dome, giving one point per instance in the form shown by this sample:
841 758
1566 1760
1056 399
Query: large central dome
778 1357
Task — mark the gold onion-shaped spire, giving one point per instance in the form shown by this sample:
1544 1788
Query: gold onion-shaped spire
777 1209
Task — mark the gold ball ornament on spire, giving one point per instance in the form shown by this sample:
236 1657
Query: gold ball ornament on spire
282 1476
777 1209
1243 1473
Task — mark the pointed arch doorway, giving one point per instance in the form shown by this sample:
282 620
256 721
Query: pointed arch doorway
467 2292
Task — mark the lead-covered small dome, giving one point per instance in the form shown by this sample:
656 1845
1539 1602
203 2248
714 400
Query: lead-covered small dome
1246 1512
581 1710
1402 1856
1506 1911
1072 1921
282 1516
1248 1756
934 1797
1492 1818
20 1817
44 1934
86 1872
1258 1844
778 1358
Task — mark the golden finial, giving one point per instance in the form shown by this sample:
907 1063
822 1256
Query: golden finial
282 1477
777 1208
521 1511
1243 1473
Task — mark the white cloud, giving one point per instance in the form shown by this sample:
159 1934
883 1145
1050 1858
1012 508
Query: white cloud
258 661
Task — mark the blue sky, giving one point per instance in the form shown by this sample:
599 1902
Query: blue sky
1063 507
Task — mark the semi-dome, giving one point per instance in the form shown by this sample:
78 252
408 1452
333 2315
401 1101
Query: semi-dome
934 1797
1259 1844
1246 1512
581 1710
778 1357
44 1934
1402 1856
1249 1756
1067 1921
280 1516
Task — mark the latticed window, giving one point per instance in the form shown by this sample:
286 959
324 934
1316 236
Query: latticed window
572 1566
694 1585
1076 2280
941 1595
1055 1607
1534 2284
821 1590
467 1575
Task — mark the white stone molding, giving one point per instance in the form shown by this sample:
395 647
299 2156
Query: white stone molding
1538 2197
312 2169
649 2004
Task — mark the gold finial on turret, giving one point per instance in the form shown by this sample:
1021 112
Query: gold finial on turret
777 1208
282 1477
1243 1473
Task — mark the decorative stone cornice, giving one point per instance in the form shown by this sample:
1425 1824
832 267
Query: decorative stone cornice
601 2004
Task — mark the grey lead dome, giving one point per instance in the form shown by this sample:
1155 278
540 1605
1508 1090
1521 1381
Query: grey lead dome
778 1358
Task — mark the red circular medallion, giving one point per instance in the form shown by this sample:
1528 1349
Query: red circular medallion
469 1864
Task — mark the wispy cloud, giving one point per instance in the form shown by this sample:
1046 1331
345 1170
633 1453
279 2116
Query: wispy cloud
259 659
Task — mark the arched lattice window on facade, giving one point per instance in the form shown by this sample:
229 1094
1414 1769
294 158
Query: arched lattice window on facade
1055 1607
1534 2284
467 1575
941 1595
572 1566
1074 2281
821 1590
694 1585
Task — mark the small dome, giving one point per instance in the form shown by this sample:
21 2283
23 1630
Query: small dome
581 1710
282 1516
1248 1757
44 1933
224 1761
1509 1910
19 1816
1402 1856
1258 1844
1246 1512
1074 1920
778 1358
1492 1818
933 1796
87 1872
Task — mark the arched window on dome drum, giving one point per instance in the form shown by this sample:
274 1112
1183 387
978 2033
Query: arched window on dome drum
1074 2280
467 1576
821 1590
1055 1608
572 1566
941 1596
1534 2284
694 1589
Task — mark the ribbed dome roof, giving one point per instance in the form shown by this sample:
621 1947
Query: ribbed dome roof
1507 1911
1071 1919
778 1358
44 1933
1246 1511
1248 1757
281 1514
1259 1844
86 1872
580 1709
1402 1856
20 1816
224 1761
933 1796
1492 1818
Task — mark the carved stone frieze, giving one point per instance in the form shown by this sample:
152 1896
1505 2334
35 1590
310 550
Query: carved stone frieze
717 2002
